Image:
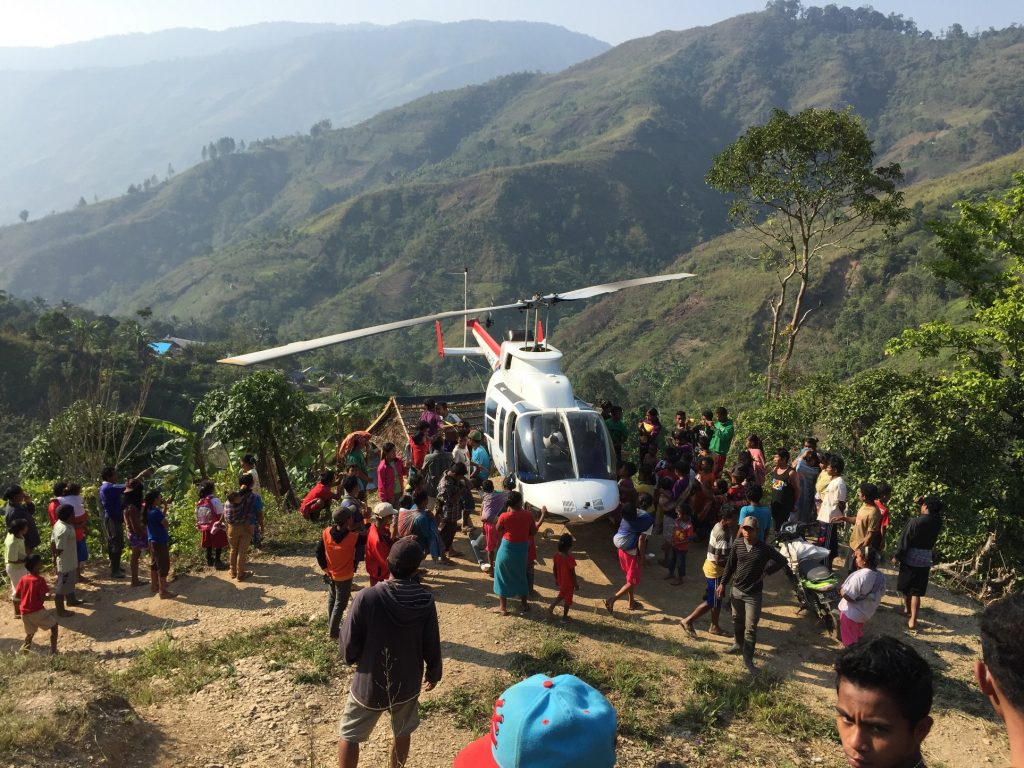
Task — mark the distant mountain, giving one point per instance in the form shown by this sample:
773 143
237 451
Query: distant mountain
90 131
540 182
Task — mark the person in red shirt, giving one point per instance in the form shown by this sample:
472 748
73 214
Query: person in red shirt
320 496
378 542
31 591
565 575
511 564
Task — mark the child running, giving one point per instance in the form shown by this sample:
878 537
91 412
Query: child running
565 576
31 591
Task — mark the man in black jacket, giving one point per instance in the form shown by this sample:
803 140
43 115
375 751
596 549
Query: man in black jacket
749 562
391 634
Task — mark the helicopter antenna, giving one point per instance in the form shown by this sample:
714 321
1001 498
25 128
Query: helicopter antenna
465 301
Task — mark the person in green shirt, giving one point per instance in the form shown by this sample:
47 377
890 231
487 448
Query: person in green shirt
617 431
721 439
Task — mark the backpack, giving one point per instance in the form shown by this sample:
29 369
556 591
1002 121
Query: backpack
206 516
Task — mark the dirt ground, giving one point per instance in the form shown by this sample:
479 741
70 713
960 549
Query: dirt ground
259 718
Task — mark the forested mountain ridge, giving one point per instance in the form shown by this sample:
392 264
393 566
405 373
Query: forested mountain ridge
92 128
535 181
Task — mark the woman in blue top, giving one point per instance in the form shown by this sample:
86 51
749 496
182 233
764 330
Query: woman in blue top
157 527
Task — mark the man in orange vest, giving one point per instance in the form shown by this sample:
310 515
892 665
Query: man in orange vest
336 554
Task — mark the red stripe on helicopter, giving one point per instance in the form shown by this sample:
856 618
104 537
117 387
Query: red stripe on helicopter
440 341
474 325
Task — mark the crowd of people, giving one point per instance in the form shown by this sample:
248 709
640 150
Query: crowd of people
679 491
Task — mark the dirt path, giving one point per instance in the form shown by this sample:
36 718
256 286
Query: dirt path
258 717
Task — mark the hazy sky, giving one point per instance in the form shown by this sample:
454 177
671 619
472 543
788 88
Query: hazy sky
52 22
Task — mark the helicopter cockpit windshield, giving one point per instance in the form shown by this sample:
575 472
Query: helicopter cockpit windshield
562 446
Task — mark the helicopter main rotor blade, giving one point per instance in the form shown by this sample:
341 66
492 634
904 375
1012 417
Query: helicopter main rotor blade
326 341
599 290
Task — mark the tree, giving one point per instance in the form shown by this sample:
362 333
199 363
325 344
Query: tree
804 184
266 414
81 203
23 215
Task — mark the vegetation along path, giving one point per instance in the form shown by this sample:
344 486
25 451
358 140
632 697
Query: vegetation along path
244 675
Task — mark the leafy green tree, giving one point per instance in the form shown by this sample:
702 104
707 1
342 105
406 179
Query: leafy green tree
805 185
23 215
265 413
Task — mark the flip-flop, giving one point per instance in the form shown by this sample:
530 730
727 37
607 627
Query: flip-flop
499 611
636 606
688 628
609 606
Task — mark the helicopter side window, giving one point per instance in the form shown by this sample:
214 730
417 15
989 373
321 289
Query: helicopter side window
490 411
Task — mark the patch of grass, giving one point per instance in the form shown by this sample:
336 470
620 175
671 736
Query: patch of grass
633 688
291 643
718 697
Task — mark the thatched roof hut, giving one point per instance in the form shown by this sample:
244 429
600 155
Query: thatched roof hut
400 416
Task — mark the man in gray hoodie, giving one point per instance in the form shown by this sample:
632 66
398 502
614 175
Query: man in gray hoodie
391 634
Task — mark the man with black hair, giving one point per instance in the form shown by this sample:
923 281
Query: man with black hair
883 697
1001 673
391 634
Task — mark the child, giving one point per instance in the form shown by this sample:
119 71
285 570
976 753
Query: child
492 504
73 496
663 502
59 489
138 539
14 551
31 591
682 535
159 534
565 575
212 528
861 595
645 483
461 451
65 558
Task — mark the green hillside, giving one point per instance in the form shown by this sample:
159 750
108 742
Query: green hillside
541 182
701 339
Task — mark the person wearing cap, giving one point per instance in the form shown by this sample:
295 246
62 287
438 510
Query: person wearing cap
749 562
392 636
336 554
378 542
545 722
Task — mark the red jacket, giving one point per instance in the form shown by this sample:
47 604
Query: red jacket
378 545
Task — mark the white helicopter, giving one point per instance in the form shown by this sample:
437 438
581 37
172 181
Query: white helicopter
555 445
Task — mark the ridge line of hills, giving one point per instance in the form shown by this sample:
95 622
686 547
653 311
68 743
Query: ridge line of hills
535 181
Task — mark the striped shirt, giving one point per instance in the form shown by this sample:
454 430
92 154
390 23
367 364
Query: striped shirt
749 564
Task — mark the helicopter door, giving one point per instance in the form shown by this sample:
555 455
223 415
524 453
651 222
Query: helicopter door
498 452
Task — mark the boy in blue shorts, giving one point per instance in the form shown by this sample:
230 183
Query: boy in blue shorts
719 545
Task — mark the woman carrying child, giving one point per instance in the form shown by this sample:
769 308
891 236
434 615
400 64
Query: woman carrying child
212 527
861 595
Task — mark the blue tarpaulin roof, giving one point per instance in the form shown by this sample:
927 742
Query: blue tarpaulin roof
160 347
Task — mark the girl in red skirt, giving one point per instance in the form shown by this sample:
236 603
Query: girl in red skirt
565 575
211 525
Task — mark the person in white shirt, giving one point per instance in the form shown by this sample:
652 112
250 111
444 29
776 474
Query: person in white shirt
833 507
861 595
249 468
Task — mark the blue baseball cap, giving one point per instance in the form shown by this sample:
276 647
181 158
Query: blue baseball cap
546 722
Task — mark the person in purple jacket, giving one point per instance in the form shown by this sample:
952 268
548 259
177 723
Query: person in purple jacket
391 635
